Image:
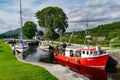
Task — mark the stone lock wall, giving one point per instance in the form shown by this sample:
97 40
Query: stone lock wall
115 54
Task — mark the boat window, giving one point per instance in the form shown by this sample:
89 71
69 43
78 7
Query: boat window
77 54
87 52
80 54
91 52
67 50
101 52
71 53
83 52
95 52
104 52
77 51
63 52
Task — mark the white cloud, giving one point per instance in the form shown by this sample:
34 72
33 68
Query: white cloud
99 12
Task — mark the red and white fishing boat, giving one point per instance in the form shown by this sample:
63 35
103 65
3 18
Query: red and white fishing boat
85 56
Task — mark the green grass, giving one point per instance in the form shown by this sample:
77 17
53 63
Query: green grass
12 69
111 48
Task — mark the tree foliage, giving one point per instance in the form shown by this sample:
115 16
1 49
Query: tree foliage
107 30
29 29
114 34
51 34
41 33
52 19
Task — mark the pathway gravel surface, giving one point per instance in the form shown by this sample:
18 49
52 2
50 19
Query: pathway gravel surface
59 71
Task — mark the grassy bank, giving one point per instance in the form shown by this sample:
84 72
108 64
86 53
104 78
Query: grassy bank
11 69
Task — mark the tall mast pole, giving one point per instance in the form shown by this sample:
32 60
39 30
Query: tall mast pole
87 26
86 32
72 34
21 20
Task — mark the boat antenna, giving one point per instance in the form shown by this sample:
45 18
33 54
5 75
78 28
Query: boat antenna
87 33
87 27
72 34
21 20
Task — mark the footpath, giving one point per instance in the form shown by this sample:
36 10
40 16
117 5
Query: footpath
59 71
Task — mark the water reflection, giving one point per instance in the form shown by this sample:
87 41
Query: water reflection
91 73
48 59
113 73
35 54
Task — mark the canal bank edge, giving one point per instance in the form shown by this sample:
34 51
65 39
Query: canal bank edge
59 71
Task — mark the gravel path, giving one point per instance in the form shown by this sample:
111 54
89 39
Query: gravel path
61 72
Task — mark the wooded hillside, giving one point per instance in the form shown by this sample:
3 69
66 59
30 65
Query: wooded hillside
109 31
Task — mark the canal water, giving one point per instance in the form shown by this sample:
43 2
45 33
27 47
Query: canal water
35 54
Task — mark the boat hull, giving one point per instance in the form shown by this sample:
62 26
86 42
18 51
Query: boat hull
96 62
45 48
21 49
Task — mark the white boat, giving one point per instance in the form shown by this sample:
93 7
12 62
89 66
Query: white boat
21 47
44 45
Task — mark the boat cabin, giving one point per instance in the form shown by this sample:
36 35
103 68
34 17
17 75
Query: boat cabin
72 52
83 52
21 43
44 43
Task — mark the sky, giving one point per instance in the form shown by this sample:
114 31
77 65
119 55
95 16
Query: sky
79 12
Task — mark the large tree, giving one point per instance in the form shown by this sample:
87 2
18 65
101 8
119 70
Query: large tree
41 33
29 29
52 19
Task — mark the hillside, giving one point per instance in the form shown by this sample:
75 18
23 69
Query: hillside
11 33
105 29
109 31
102 30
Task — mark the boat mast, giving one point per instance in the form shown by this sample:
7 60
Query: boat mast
21 20
87 26
72 34
87 34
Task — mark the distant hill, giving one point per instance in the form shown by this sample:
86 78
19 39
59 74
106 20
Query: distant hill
11 33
